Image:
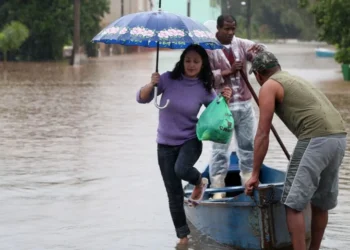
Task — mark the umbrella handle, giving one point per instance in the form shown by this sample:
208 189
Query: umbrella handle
155 87
155 99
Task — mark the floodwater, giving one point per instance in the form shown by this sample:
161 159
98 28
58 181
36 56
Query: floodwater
78 166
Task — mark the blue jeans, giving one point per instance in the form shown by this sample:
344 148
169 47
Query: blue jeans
177 163
245 129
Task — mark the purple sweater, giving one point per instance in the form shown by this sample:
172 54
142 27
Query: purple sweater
177 122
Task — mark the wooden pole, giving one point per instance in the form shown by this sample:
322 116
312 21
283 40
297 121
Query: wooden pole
249 15
188 8
122 7
75 59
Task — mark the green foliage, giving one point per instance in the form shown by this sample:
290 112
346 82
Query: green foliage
333 19
12 37
343 55
51 24
275 19
92 12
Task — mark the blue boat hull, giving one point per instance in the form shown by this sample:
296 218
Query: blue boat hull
241 221
324 53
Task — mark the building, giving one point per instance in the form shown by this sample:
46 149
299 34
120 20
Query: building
199 10
120 8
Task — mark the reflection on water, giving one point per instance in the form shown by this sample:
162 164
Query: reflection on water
78 162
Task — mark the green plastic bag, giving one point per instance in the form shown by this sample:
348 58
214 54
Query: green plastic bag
216 122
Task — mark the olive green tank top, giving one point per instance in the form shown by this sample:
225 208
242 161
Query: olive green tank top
305 110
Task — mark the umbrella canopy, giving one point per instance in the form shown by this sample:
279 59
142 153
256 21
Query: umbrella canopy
153 28
158 29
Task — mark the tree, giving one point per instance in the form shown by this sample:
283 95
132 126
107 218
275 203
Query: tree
286 19
12 37
51 24
274 19
92 13
333 19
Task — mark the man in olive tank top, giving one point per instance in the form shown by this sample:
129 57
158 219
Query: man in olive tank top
313 170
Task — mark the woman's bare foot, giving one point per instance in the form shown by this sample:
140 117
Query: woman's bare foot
183 244
183 241
198 190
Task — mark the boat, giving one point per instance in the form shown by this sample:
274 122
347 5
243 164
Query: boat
322 52
241 221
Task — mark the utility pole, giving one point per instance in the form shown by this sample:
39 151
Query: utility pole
249 16
118 48
122 7
188 8
75 59
228 7
151 4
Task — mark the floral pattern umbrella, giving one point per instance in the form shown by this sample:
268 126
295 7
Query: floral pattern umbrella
153 28
158 29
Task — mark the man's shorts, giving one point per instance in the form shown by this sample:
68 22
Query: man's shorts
313 173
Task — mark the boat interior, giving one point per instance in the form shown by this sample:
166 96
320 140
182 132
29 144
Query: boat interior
233 180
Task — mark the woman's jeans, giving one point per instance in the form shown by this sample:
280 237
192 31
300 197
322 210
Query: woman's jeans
176 164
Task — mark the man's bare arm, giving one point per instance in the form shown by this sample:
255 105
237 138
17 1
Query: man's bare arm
267 98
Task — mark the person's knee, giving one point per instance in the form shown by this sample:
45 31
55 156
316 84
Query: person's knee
218 162
318 209
293 215
245 140
219 152
182 171
292 211
319 214
320 204
185 173
294 201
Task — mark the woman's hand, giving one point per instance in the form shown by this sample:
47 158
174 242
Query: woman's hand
227 93
155 78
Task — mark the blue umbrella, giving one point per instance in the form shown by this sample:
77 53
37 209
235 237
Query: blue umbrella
148 29
157 29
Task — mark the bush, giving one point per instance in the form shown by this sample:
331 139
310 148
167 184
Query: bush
333 19
343 55
12 37
51 24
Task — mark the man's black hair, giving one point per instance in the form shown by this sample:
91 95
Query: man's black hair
225 18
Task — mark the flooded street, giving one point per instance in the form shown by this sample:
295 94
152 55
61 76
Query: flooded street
78 162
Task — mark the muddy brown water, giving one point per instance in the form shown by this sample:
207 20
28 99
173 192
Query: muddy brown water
78 166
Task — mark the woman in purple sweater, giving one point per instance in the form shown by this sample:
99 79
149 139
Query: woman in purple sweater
188 87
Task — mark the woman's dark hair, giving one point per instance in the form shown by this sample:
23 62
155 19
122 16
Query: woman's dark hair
205 75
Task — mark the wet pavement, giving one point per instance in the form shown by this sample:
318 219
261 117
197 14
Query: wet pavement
78 166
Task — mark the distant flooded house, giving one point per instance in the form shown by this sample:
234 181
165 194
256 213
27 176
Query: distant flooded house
199 10
120 8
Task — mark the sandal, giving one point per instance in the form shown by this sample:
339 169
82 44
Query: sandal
191 201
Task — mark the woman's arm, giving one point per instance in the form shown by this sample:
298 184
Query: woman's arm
209 98
145 94
226 93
